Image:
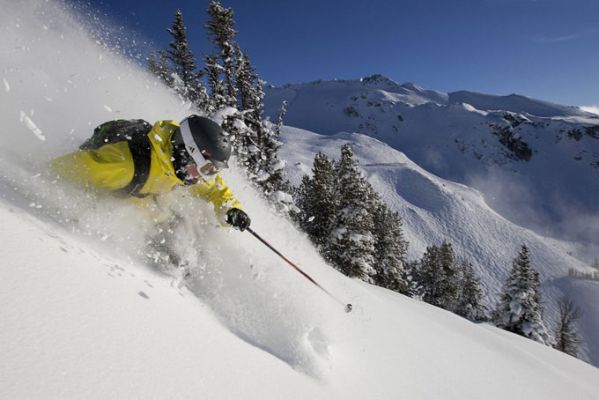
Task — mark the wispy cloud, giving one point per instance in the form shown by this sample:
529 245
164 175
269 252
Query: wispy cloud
566 37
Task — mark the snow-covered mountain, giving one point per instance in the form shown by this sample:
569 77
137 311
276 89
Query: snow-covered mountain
84 315
537 163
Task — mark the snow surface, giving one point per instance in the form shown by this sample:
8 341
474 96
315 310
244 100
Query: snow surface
80 322
85 315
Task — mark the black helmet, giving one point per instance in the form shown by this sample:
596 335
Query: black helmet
204 139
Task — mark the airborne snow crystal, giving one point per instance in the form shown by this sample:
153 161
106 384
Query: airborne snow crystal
31 126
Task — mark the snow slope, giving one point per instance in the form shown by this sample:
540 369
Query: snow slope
458 136
80 322
434 209
85 315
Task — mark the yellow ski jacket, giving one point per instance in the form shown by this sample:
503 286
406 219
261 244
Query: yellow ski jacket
111 167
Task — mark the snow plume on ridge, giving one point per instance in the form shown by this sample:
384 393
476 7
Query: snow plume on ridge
59 83
591 109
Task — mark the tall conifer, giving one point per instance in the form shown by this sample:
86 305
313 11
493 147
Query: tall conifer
520 308
351 247
437 276
390 250
184 63
221 29
158 64
317 200
470 295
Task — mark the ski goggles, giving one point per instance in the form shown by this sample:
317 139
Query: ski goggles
208 169
196 173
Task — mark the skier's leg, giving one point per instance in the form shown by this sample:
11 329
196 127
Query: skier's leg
160 247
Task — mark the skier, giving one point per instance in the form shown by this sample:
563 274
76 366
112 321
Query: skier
133 159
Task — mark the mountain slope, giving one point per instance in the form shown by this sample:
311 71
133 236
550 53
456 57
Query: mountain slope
536 163
434 209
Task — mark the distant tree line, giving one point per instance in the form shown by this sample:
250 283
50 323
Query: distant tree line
590 276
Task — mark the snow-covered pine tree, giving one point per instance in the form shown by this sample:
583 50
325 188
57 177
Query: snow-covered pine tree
317 200
351 245
437 276
268 168
519 309
277 183
411 269
470 294
257 108
272 168
567 338
218 98
184 64
158 64
390 250
222 32
246 80
250 146
280 118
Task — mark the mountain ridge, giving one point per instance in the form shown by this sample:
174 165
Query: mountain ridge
548 163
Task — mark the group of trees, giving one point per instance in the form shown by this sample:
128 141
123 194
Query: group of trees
521 310
439 278
228 89
350 224
443 280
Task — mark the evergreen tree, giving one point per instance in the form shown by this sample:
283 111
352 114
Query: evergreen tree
469 303
184 64
280 117
390 250
411 272
246 80
251 146
218 99
276 184
222 32
272 179
567 338
437 276
520 308
158 64
351 245
317 201
257 104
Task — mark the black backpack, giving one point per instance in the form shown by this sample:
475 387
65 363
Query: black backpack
135 133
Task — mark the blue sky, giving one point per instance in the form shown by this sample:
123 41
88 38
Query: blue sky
546 49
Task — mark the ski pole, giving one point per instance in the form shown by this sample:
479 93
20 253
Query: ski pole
348 307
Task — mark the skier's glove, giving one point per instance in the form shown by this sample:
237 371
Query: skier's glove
238 219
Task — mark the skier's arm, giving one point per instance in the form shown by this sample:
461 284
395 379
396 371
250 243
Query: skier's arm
216 192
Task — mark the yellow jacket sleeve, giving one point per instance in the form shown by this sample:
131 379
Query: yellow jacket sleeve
108 168
216 192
